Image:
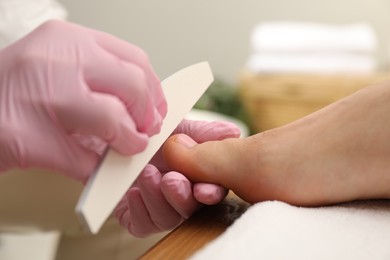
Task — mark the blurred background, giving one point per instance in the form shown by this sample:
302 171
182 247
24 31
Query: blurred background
178 33
263 87
274 61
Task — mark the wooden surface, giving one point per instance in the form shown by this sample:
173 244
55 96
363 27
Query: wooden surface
198 230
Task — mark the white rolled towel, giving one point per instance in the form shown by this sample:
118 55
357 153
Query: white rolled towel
322 63
307 37
275 230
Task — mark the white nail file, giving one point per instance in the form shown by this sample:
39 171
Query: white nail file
116 172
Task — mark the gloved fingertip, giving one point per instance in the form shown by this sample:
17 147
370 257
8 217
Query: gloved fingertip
149 178
162 108
130 141
155 126
176 185
177 189
229 129
209 194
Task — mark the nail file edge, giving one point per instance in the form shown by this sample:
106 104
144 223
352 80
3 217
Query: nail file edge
116 173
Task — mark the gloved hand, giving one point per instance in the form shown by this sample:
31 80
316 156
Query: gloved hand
63 85
161 199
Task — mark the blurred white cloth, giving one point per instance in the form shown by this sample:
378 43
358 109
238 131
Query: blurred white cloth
19 17
308 37
29 245
275 230
311 63
304 47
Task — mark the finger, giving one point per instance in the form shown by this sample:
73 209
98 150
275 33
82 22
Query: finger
163 215
132 54
141 225
203 131
209 194
103 116
122 213
177 189
129 83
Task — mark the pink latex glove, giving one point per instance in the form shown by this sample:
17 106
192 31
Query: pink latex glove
162 199
64 85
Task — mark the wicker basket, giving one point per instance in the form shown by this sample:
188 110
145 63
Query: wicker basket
275 100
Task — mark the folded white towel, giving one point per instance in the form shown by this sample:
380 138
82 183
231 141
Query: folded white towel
306 37
275 230
311 63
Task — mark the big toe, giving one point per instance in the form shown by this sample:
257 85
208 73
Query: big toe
209 162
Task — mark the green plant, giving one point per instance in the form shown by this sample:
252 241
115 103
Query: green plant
223 98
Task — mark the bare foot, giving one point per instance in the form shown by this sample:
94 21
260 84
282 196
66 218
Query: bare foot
340 153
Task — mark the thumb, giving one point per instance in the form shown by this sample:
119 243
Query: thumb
217 162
